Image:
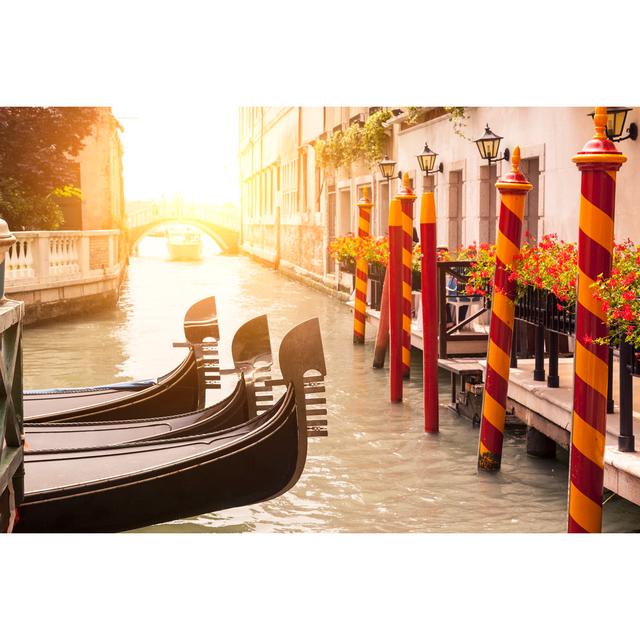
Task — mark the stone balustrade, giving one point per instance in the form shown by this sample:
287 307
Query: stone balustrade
52 258
55 271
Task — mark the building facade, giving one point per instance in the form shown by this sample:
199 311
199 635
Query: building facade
291 210
99 177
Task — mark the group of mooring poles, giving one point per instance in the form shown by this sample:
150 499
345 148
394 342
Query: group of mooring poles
598 163
394 328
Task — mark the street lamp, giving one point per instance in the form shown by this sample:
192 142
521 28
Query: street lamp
427 160
488 146
616 117
387 168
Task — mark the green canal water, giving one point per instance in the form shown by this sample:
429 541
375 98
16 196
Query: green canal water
376 472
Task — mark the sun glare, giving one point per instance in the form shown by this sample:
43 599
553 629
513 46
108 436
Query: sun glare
189 152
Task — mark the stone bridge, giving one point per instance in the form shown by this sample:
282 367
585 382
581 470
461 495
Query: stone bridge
220 223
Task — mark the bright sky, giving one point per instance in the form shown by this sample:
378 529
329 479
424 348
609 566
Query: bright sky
188 151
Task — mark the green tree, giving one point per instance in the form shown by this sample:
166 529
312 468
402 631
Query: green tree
37 149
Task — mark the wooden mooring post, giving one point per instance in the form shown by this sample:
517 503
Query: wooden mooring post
362 270
406 196
513 191
429 311
395 301
11 433
598 162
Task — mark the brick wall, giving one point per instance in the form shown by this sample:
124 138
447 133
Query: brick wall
98 252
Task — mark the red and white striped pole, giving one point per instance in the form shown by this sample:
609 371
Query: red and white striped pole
513 192
598 163
395 299
362 269
429 311
406 197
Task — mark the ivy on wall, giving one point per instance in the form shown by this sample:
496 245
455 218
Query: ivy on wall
358 142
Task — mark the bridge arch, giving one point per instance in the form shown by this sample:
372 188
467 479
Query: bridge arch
226 239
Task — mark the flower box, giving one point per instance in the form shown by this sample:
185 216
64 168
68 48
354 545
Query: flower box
348 266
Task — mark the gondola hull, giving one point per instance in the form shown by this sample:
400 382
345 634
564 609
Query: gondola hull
128 487
177 392
231 411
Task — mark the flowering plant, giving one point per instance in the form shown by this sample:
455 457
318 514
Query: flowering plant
470 252
416 255
442 255
377 251
619 295
347 248
550 265
482 269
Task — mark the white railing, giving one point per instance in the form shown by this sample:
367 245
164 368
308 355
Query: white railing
42 259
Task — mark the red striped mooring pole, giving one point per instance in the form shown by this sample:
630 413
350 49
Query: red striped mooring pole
513 190
395 300
598 163
362 269
406 197
429 311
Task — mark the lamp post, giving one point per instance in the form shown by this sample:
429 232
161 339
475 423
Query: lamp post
387 168
489 145
427 160
616 117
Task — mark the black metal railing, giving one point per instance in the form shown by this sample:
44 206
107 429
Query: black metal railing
629 369
452 281
547 315
377 273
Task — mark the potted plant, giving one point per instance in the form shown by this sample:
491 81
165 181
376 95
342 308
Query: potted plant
619 295
345 250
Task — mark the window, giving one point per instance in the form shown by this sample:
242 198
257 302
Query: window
303 180
289 187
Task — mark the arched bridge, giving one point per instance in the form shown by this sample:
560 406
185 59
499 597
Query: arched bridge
220 223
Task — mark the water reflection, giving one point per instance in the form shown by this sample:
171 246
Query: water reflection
377 470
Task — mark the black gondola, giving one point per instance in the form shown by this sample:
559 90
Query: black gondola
230 411
130 486
251 352
178 391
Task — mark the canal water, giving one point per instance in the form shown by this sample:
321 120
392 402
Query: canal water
376 472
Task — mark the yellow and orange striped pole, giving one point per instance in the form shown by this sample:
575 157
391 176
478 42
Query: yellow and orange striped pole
406 197
513 191
598 163
362 269
429 311
395 300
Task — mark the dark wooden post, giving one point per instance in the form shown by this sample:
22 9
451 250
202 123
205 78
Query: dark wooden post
553 379
538 371
610 382
442 309
626 439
